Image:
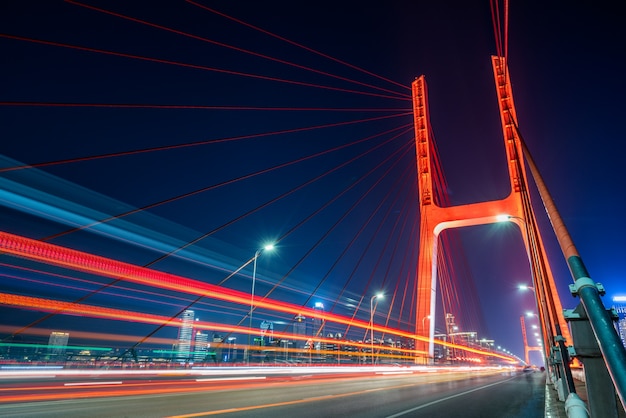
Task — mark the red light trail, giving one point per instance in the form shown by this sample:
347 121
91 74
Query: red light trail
102 266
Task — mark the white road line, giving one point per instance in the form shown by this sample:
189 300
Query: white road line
408 411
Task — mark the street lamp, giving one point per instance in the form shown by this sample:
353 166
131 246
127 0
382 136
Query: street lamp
526 287
506 218
268 247
372 308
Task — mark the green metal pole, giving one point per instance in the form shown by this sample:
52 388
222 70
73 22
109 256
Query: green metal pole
613 351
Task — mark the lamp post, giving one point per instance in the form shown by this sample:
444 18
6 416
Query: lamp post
427 360
268 247
552 333
372 308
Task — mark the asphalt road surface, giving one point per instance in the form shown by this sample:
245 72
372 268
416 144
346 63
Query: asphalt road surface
504 394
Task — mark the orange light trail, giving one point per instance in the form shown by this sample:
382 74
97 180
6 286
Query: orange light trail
126 389
77 260
55 391
70 308
45 332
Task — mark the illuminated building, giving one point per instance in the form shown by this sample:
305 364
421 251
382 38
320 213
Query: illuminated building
619 303
201 346
318 325
299 329
267 333
57 344
216 353
185 333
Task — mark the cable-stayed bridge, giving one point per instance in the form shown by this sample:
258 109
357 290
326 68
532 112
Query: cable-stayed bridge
178 147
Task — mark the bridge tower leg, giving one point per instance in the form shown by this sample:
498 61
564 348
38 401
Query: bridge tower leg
434 218
527 348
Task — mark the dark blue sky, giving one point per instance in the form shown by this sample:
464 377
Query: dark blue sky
567 69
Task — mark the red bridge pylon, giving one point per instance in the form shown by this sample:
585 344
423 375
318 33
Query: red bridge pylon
515 208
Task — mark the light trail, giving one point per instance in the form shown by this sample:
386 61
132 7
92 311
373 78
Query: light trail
82 309
230 379
117 382
70 308
89 335
139 382
427 380
102 266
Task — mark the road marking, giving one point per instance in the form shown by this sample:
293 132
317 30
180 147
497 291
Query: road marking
408 411
318 398
431 379
285 403
92 383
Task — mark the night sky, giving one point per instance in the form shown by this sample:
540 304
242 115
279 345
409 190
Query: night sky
352 231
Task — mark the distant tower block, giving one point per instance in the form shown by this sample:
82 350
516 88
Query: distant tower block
185 335
619 304
201 346
434 219
318 326
57 345
299 329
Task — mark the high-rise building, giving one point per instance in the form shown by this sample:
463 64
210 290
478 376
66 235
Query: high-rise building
299 329
217 352
267 333
318 326
201 346
57 345
619 303
185 334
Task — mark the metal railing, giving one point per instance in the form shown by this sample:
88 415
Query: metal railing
592 324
